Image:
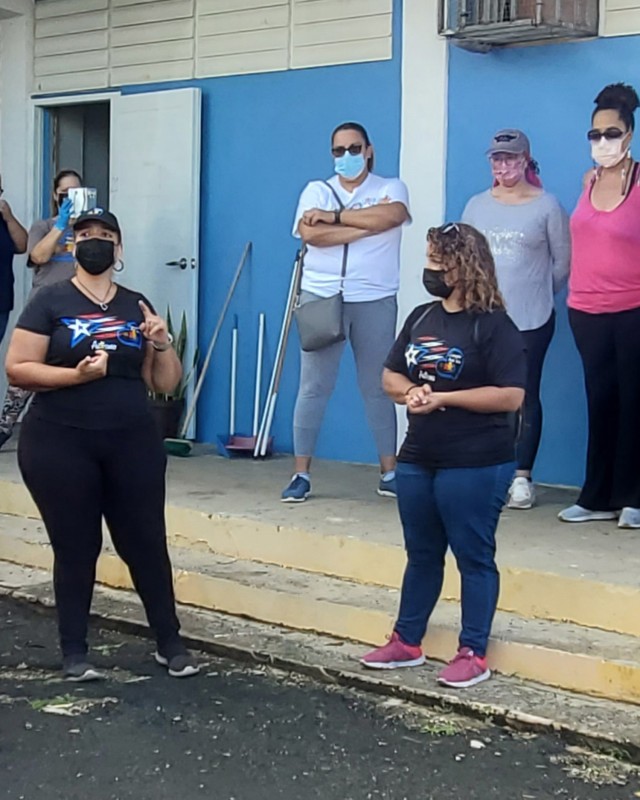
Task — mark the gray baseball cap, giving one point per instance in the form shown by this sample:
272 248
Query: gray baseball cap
509 140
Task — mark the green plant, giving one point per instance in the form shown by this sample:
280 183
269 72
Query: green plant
188 370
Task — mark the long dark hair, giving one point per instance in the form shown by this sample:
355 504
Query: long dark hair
355 126
618 97
64 173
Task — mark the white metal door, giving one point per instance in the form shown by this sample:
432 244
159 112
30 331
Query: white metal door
155 192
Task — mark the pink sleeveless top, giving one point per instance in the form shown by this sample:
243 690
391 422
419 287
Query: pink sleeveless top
605 254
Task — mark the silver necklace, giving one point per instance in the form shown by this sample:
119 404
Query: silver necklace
102 303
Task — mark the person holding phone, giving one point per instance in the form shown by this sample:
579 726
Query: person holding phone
89 449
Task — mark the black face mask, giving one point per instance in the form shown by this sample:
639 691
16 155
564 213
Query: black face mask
60 199
434 282
95 255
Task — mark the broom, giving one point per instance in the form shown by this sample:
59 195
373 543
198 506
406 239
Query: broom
183 446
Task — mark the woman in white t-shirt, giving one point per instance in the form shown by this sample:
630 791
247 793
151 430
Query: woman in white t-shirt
373 211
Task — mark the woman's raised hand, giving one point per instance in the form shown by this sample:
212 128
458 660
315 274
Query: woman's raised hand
154 328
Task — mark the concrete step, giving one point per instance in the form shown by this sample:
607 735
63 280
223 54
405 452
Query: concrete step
538 585
564 655
595 722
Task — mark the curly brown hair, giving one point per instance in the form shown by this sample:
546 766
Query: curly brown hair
464 253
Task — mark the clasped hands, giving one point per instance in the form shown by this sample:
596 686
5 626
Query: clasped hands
423 400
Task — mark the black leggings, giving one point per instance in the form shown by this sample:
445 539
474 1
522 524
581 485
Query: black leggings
76 477
609 345
536 343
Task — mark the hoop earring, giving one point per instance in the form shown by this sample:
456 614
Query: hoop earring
119 266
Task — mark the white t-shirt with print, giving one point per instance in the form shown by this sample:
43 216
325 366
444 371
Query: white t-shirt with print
373 263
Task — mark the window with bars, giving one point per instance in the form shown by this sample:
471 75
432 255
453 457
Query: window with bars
482 24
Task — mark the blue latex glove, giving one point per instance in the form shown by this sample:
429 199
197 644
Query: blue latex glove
64 215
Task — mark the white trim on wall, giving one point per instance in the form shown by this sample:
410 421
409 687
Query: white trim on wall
423 149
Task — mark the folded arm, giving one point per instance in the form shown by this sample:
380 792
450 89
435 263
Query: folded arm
376 219
323 234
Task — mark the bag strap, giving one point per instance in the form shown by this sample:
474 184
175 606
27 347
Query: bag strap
335 194
476 323
345 251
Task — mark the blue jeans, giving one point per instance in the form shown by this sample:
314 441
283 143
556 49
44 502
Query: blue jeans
459 508
4 319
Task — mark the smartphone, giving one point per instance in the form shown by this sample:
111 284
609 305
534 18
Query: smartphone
83 200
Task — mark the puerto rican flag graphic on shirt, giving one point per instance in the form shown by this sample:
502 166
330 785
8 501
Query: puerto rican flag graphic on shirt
103 328
430 358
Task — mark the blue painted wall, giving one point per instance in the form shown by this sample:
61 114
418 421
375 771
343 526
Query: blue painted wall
548 92
264 136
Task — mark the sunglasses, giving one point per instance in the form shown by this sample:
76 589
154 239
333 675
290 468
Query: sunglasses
594 135
353 150
447 228
505 158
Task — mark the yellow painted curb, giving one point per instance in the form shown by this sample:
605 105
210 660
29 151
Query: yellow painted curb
585 674
528 593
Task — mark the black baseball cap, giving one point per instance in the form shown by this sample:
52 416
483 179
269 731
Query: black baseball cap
100 215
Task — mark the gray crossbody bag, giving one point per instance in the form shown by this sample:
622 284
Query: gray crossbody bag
320 322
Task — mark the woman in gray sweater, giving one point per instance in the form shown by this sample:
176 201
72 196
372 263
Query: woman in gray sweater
528 232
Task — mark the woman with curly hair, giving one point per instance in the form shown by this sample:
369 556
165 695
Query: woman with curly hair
604 313
459 366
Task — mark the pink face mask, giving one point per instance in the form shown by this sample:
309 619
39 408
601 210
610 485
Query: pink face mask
508 171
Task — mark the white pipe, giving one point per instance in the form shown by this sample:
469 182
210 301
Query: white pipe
234 370
256 399
284 330
271 410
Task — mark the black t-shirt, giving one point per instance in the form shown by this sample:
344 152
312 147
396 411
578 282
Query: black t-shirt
450 352
7 252
77 328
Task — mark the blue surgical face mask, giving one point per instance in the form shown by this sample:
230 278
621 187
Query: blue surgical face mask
349 166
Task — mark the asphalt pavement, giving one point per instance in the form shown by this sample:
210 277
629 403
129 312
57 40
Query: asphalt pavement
240 732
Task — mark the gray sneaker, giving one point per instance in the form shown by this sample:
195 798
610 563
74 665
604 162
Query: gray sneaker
181 665
629 518
78 670
579 514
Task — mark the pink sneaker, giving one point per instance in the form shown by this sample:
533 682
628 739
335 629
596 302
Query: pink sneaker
394 654
465 670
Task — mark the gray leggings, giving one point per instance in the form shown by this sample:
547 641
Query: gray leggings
370 328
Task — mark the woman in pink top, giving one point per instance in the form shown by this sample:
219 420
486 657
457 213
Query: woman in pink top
604 312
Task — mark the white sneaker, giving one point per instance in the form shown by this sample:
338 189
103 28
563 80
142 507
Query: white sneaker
579 514
629 518
522 494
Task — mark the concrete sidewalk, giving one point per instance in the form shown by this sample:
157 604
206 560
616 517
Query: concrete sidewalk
570 601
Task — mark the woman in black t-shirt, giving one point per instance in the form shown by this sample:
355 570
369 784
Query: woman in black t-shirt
459 367
89 448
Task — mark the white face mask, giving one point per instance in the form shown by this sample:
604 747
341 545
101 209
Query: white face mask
608 153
